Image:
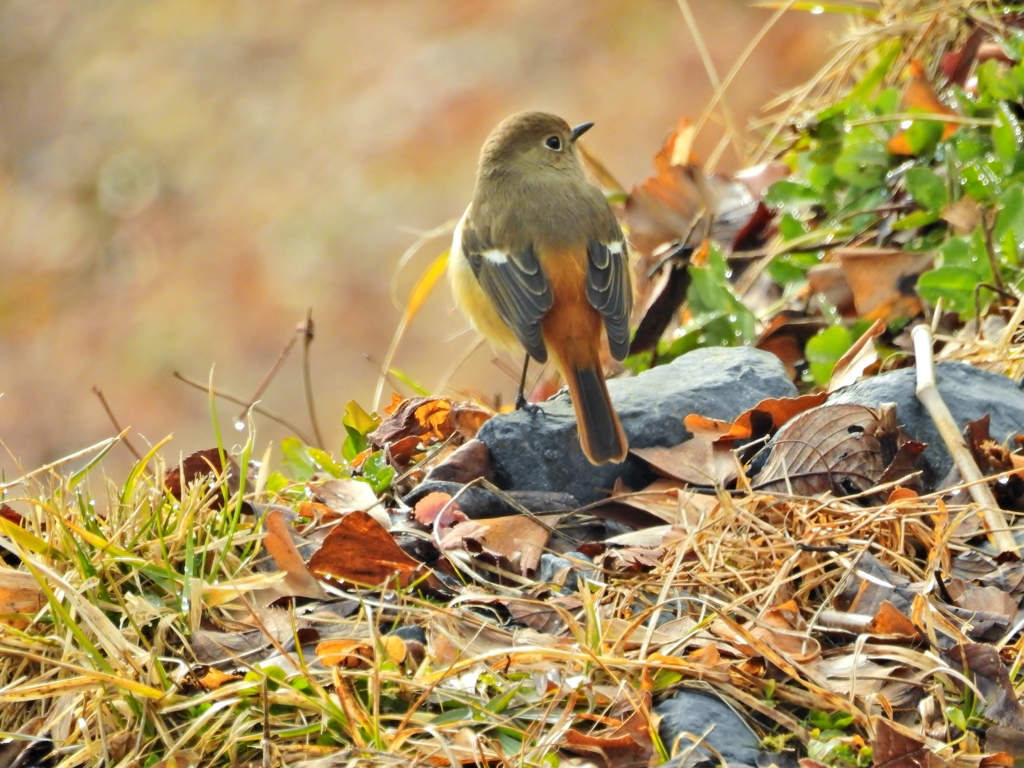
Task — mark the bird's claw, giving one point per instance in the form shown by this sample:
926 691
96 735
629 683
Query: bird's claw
522 404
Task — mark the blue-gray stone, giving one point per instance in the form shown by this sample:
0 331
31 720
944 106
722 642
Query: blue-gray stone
540 450
969 392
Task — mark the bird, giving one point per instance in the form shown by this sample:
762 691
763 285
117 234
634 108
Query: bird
539 262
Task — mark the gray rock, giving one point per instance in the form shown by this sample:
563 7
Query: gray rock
969 392
567 571
480 502
540 450
694 712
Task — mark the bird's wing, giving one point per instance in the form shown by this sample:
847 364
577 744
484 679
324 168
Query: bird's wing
517 286
608 288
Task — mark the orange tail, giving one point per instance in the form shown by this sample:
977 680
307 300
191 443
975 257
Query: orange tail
601 435
572 331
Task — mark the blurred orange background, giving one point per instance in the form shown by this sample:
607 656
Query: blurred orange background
180 181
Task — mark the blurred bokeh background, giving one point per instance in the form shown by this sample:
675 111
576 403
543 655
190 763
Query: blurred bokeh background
180 181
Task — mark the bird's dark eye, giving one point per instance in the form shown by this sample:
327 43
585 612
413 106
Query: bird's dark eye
553 142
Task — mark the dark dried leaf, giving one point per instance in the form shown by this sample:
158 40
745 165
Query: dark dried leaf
983 664
203 465
895 746
834 448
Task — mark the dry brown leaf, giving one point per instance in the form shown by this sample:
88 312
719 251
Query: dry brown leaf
963 215
451 636
786 337
895 746
359 551
1008 741
891 622
537 615
829 281
433 504
651 510
884 280
997 760
623 744
664 207
183 758
470 461
832 448
348 495
784 629
279 542
630 559
213 678
430 419
11 515
517 538
698 461
662 299
345 652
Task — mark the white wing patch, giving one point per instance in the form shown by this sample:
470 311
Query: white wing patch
616 247
495 256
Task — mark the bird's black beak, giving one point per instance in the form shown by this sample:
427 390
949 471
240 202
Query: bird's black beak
579 130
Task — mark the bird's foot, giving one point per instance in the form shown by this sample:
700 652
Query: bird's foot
522 404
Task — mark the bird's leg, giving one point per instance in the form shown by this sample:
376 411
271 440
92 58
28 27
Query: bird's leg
521 402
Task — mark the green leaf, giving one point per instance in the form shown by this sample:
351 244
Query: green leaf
824 350
787 193
792 267
1008 232
923 135
722 318
819 719
927 188
888 101
377 472
1006 135
1013 41
790 227
358 424
842 720
916 219
863 164
276 482
303 461
967 145
956 716
954 285
1009 247
995 81
980 180
362 422
298 463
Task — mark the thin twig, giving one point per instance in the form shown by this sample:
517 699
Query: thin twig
308 334
239 401
928 394
113 420
269 377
